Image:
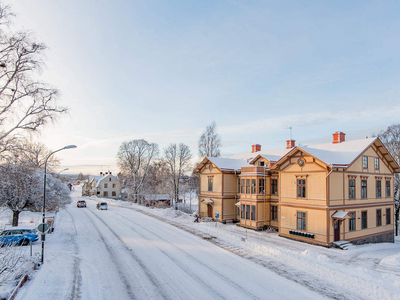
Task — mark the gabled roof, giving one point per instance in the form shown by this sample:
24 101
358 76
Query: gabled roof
270 158
343 154
339 154
273 155
104 177
224 164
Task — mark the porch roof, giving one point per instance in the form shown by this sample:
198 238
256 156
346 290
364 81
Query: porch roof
340 215
208 200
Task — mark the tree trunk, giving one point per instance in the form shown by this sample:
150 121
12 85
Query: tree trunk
15 218
397 220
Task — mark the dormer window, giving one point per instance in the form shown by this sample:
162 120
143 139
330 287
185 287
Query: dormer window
261 164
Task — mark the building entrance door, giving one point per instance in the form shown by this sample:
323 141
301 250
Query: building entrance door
209 211
336 234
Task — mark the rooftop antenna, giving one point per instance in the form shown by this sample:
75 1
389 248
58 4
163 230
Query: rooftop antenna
290 132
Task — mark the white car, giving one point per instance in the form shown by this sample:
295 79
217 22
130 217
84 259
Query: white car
102 206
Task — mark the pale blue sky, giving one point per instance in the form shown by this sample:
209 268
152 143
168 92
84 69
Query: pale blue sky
163 70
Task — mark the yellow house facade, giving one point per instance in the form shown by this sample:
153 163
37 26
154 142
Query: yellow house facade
340 191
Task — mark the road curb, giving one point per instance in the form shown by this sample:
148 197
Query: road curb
20 284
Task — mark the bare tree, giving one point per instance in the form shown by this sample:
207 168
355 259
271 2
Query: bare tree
33 154
134 159
156 182
25 103
177 159
21 189
210 142
391 138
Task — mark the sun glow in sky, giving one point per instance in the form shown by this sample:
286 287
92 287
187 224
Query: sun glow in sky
164 70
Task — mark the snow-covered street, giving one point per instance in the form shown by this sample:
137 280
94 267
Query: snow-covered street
133 252
123 254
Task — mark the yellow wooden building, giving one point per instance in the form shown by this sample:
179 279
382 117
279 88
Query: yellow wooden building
340 191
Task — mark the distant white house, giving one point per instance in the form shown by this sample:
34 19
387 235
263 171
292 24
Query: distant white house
89 187
108 186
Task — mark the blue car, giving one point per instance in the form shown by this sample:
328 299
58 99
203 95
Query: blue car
21 237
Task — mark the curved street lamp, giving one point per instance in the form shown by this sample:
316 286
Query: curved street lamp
58 174
44 193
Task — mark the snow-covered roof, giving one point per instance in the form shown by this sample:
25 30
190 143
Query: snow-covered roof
157 197
104 177
274 154
228 163
208 200
339 154
339 215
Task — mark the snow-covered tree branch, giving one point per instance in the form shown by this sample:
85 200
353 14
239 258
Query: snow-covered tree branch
25 103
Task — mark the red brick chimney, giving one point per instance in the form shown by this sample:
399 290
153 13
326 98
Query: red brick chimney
290 144
255 148
339 137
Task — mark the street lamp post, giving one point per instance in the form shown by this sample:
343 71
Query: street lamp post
58 174
44 193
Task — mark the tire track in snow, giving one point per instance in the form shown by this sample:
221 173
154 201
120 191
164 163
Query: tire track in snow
76 283
147 272
304 279
187 254
128 288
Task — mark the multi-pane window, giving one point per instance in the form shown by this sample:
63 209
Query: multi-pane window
261 186
238 185
114 185
243 186
210 184
378 217
388 216
274 186
376 163
364 224
109 179
352 188
365 162
301 221
363 189
274 213
253 212
105 194
243 211
378 189
387 188
247 186
253 186
301 188
105 185
352 221
261 164
247 212
114 194
238 210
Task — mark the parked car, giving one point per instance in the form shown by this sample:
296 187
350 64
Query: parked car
21 237
102 206
81 203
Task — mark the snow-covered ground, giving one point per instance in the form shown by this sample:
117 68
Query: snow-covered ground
133 252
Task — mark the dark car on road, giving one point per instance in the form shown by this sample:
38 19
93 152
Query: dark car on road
17 236
81 203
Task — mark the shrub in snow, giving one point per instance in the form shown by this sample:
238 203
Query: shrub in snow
15 262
